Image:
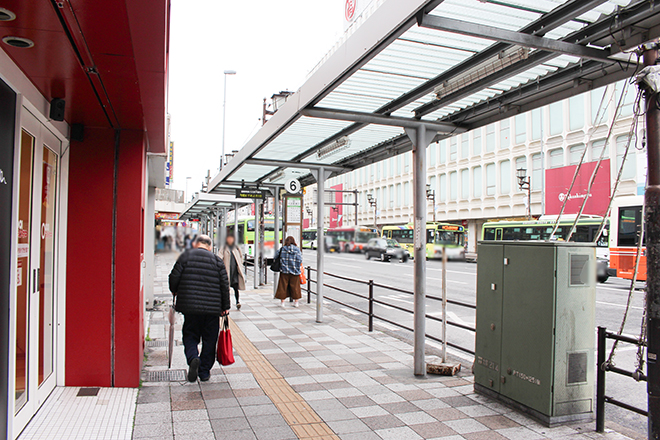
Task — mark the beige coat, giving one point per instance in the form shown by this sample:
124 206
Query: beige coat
225 254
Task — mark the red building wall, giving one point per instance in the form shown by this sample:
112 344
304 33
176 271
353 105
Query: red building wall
89 293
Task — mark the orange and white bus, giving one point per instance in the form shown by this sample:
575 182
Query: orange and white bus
625 227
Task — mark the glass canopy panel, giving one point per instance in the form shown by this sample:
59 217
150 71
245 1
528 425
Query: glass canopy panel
251 173
299 137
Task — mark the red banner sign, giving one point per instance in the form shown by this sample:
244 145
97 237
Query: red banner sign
558 181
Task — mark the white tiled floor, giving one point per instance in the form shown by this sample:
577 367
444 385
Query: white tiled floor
65 416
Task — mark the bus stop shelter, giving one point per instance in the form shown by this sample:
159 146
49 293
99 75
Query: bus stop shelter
415 72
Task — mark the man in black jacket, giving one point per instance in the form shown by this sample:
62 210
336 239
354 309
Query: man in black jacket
201 287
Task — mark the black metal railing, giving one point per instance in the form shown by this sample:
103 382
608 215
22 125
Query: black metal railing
603 367
371 301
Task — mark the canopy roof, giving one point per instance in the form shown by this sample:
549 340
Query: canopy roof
204 204
455 64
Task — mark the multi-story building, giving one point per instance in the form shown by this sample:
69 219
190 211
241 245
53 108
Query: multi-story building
474 174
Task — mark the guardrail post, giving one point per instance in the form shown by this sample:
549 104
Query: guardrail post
600 380
371 305
309 284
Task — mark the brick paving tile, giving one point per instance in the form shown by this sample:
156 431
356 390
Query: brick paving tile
497 422
484 435
187 405
444 414
382 422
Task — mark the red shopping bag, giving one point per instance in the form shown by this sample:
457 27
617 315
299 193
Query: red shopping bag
225 351
303 278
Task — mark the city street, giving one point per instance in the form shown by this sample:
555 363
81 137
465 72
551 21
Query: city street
461 286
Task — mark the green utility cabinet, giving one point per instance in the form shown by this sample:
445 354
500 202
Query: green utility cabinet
535 327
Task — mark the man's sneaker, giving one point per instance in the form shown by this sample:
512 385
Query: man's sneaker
192 370
205 378
238 306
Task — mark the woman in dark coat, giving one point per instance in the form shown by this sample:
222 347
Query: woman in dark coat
290 268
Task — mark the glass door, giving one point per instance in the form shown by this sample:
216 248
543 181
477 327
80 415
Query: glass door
35 298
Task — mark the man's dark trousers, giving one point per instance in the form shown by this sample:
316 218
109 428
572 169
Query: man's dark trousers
206 328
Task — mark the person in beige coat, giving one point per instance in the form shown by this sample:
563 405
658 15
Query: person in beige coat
233 258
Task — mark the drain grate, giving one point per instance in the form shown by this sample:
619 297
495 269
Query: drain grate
88 392
161 343
166 376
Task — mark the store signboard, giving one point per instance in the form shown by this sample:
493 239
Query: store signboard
558 182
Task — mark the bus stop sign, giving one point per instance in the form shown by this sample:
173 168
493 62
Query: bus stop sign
293 186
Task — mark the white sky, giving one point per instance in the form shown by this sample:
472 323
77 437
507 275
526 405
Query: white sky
272 44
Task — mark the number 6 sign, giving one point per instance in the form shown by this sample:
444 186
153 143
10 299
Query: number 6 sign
292 186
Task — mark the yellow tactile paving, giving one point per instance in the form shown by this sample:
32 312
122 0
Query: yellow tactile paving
302 419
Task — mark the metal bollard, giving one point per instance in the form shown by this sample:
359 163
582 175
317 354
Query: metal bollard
600 380
309 284
371 305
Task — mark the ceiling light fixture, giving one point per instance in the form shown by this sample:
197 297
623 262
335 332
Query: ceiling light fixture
20 42
277 176
6 15
340 144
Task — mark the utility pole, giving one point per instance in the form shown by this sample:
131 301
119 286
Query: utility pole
652 209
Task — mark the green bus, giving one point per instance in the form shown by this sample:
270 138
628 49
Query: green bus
246 231
585 231
439 236
309 238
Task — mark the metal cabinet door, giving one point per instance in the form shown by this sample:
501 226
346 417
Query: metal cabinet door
528 325
489 315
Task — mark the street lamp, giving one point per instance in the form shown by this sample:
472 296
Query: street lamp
310 213
430 195
374 204
224 105
525 184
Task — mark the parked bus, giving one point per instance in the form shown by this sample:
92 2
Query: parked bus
246 231
439 236
309 238
625 226
585 231
352 238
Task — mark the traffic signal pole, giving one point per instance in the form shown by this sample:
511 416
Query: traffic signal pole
652 209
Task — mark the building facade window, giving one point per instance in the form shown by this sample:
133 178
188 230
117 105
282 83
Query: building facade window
505 177
556 111
537 123
465 146
476 182
399 198
556 157
630 167
490 138
453 183
505 134
597 149
628 99
453 153
442 187
537 171
406 194
390 192
406 162
575 154
443 151
598 111
433 148
490 179
476 142
521 128
465 184
576 112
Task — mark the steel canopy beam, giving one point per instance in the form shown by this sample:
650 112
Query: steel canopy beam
517 38
287 164
373 118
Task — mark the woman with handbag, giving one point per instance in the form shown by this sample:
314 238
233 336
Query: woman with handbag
290 265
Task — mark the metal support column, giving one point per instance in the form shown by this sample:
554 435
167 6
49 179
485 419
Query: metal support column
652 217
321 176
218 225
262 240
276 247
236 224
420 139
255 253
223 228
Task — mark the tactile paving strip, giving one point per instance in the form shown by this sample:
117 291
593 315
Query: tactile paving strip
302 419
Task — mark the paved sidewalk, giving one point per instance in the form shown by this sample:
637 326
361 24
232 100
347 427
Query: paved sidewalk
294 378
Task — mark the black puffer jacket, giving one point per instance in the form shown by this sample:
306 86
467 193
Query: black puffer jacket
199 281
